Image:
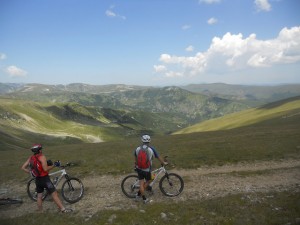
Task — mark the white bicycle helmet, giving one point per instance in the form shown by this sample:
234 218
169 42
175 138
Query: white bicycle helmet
36 148
146 138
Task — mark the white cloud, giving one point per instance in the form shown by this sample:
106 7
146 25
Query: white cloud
174 74
190 48
233 52
159 68
186 27
262 5
212 21
209 1
110 13
2 56
14 71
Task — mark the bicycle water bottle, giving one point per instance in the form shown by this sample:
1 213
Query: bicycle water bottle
153 176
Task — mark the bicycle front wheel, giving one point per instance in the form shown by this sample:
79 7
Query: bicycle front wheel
31 190
72 190
171 184
130 186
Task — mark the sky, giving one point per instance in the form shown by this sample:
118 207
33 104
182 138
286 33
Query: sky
150 42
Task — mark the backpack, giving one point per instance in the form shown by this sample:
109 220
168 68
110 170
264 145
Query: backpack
143 161
35 165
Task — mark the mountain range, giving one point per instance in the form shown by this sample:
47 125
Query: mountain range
95 113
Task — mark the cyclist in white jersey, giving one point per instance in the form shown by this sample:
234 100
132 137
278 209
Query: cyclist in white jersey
144 174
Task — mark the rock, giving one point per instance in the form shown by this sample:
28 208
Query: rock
112 218
163 216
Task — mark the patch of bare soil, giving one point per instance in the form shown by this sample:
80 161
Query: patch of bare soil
104 192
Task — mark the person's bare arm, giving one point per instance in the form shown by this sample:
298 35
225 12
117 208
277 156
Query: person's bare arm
25 166
163 162
44 164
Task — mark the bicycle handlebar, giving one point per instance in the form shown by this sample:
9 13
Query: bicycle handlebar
165 160
68 164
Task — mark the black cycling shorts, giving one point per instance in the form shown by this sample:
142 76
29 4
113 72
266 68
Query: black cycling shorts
44 183
144 175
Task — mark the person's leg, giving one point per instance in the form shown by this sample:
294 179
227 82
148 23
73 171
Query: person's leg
57 201
142 188
53 192
39 190
146 181
40 201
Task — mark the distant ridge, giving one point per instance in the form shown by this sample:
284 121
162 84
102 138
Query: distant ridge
265 93
254 93
276 110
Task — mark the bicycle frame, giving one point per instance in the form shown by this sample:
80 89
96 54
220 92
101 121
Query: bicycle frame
62 172
157 173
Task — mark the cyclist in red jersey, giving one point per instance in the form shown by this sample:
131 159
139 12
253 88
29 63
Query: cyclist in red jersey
42 177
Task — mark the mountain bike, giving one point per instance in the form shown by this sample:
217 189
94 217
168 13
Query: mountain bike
72 188
170 184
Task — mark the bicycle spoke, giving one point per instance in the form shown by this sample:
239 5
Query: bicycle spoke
171 185
31 190
72 190
130 186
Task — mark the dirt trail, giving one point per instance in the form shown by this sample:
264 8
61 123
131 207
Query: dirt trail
104 192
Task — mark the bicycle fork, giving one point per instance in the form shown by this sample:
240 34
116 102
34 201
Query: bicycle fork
71 188
168 178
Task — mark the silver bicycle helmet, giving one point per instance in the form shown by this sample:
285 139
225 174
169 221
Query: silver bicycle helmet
146 138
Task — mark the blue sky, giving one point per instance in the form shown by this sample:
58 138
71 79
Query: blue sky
150 42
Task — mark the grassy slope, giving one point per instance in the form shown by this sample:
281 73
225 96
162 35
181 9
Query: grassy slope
23 122
23 116
240 209
283 108
272 139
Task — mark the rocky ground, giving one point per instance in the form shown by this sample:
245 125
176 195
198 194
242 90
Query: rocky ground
104 192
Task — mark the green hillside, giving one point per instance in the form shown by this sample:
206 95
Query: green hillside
278 110
23 122
269 133
178 103
274 138
23 118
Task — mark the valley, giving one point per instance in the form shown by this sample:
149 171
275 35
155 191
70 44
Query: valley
81 113
240 163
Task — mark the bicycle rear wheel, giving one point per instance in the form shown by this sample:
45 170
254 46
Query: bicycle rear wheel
31 190
130 185
72 190
171 184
